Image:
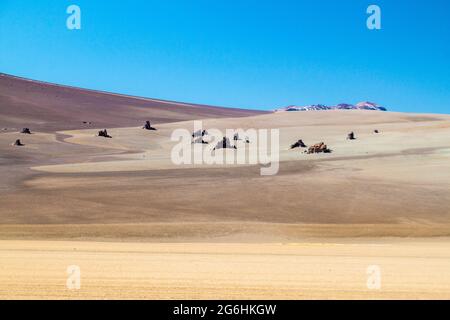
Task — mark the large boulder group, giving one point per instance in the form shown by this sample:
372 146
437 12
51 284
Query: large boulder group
318 148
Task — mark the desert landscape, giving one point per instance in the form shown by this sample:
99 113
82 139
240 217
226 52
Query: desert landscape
141 227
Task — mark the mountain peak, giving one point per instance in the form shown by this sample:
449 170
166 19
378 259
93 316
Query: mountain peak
366 105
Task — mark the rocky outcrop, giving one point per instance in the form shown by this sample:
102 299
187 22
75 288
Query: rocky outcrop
18 143
351 136
104 134
224 144
148 126
298 144
318 148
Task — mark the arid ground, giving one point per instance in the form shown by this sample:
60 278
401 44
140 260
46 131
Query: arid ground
142 227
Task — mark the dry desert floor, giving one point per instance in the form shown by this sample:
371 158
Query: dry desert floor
139 226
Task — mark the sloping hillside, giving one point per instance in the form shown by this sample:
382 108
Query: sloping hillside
50 107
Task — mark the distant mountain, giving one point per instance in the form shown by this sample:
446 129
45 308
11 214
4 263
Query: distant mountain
343 106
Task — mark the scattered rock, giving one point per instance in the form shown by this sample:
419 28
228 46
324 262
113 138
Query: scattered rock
376 131
318 148
200 133
236 137
351 136
26 131
148 126
225 144
18 143
299 144
104 133
200 140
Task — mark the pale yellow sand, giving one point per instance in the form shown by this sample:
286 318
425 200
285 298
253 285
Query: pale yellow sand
418 269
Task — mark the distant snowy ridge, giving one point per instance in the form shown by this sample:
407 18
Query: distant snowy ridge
343 106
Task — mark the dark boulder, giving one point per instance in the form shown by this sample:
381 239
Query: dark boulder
351 136
148 126
224 144
104 134
18 143
299 144
26 131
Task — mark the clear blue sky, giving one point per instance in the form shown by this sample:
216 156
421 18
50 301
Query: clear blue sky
254 54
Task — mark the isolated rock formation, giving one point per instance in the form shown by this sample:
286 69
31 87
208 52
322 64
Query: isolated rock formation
298 144
351 136
18 143
104 133
318 148
148 126
225 144
26 131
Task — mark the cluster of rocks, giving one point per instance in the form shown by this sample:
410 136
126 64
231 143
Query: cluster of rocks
322 147
198 137
237 138
318 148
199 133
18 142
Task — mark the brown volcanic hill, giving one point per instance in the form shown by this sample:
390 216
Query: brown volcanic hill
50 107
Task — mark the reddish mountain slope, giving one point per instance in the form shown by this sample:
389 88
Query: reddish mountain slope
48 107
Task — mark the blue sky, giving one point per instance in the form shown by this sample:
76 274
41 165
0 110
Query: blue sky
251 54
